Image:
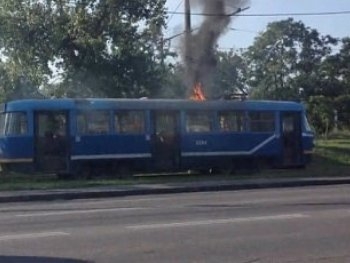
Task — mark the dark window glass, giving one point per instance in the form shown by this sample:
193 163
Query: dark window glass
13 123
306 124
262 121
93 122
288 124
53 123
166 123
198 122
129 122
2 123
231 121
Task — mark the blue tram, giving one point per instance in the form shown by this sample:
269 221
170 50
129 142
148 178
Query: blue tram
81 136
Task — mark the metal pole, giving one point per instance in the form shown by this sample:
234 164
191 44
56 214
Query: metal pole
187 55
187 17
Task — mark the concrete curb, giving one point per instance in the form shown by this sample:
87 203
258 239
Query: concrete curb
70 194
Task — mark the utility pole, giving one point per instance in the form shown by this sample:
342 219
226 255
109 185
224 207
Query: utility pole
187 29
187 55
187 17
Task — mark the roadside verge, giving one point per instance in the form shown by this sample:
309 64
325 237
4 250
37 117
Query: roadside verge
166 188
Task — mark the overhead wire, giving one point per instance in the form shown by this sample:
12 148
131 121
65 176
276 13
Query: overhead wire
244 30
326 13
238 12
177 8
175 12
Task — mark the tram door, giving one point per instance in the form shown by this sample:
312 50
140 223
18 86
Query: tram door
291 138
166 139
51 141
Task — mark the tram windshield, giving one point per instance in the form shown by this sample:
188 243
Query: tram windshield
13 123
306 124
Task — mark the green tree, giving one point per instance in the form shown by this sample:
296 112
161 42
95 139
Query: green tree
321 113
285 59
14 85
342 106
230 73
344 55
95 47
174 86
336 69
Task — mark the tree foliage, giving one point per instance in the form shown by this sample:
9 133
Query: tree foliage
93 47
290 61
321 113
286 59
230 74
174 86
342 107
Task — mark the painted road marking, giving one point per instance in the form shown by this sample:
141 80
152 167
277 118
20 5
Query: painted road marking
32 235
75 212
218 221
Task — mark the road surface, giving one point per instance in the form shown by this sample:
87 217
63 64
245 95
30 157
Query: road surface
309 224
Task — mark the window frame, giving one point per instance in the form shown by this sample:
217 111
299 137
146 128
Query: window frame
261 121
238 114
87 118
120 128
5 121
208 113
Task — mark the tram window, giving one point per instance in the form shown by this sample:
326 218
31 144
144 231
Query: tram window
93 122
198 122
13 123
129 122
262 121
306 124
2 123
288 124
51 123
165 123
231 121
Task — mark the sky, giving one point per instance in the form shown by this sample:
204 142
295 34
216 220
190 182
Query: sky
247 28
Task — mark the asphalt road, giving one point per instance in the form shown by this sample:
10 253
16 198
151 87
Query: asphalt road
309 224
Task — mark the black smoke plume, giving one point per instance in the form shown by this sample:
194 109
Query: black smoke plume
199 44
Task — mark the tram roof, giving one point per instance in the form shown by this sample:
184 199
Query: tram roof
140 104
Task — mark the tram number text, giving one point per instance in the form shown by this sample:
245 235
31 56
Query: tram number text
201 142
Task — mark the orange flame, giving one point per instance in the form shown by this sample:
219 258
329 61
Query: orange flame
198 93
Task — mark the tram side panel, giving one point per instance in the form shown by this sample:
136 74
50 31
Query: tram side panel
16 141
208 142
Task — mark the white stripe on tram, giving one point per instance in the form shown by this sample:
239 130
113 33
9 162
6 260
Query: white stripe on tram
228 153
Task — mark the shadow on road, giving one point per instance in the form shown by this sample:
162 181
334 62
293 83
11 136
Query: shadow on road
19 259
